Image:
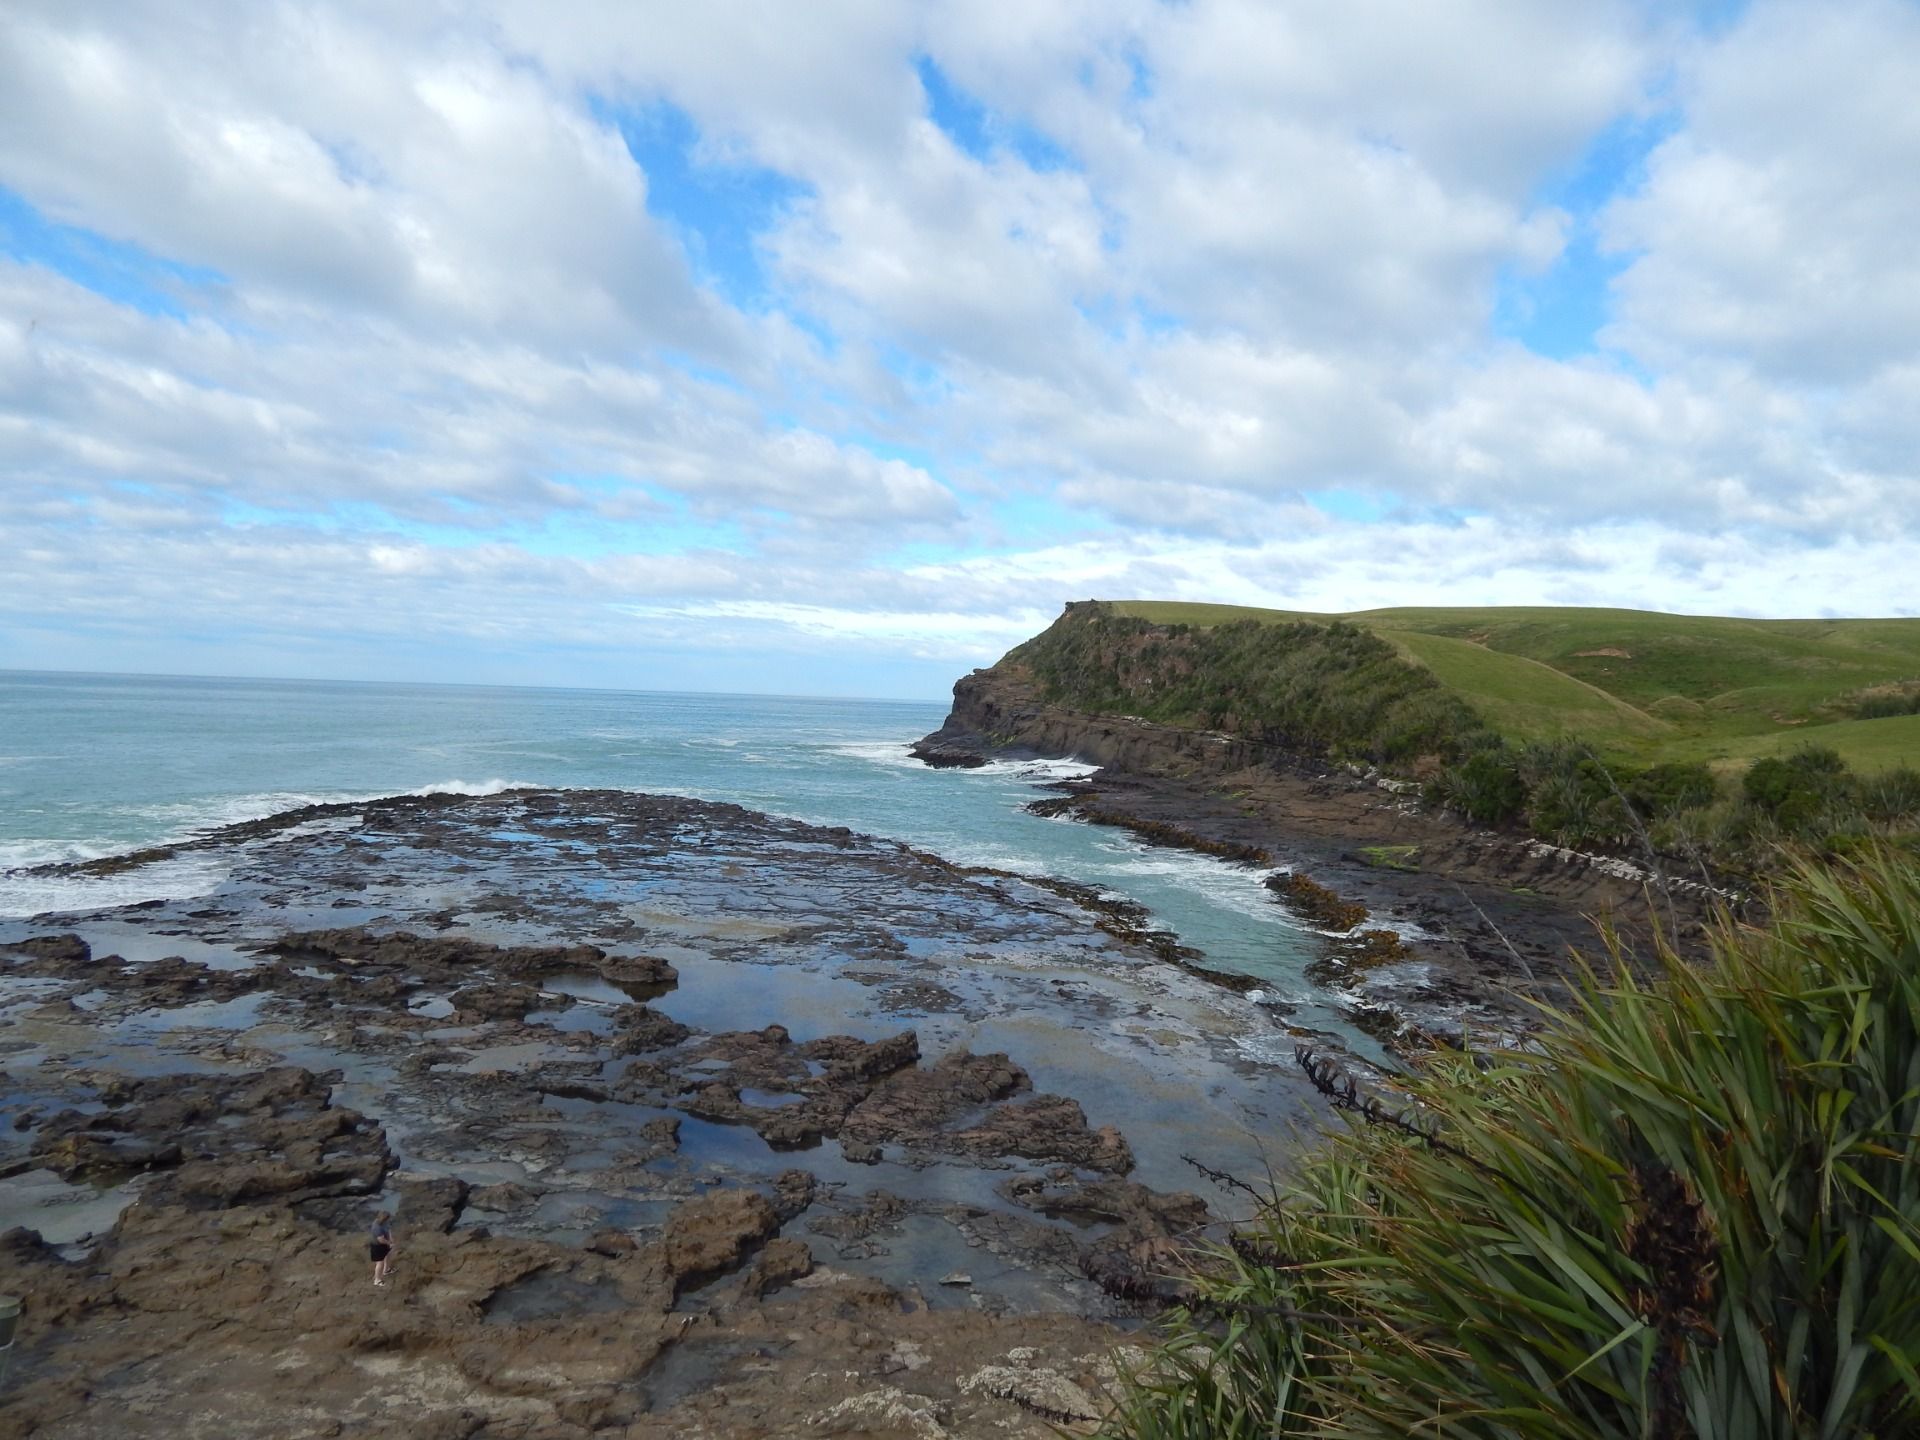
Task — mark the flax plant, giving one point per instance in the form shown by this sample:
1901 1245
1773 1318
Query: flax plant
1692 1209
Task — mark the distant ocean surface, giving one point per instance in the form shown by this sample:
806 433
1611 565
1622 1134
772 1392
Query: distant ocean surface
91 765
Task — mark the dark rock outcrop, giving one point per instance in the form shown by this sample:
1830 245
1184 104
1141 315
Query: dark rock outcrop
1001 710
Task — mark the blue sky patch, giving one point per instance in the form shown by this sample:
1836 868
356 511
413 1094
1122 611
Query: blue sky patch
123 273
1344 504
981 132
721 208
1560 312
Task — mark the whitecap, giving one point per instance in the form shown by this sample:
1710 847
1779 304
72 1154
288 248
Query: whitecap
891 753
1035 770
18 854
992 860
25 894
468 787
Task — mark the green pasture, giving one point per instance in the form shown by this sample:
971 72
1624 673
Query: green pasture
1640 684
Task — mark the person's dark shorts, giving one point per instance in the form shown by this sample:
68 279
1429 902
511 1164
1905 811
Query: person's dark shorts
376 1251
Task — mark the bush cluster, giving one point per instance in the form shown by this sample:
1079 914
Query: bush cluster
1886 701
1690 1209
1562 791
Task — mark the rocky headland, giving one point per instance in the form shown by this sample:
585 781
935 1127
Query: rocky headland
693 1122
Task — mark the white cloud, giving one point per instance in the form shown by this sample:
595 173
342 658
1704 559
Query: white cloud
1776 227
418 348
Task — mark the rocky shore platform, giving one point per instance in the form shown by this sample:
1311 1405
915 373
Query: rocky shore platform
693 1122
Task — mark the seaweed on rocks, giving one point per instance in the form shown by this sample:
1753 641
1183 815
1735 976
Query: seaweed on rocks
1085 805
1315 903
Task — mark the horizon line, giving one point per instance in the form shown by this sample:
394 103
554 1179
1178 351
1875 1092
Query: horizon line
6 670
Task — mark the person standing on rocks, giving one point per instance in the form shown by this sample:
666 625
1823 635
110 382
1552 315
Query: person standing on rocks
380 1246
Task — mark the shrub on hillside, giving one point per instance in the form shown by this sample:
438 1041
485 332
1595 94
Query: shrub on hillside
1692 1208
1663 791
1884 701
1891 798
1485 788
1572 798
1795 794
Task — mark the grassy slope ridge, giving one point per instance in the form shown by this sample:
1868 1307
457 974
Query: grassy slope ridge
1640 685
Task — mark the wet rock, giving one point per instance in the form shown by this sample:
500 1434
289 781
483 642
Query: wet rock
67 949
859 1152
494 1002
175 981
663 1133
915 1104
1083 804
1315 903
574 1090
1047 1127
713 1234
543 1321
793 1192
637 971
847 1059
287 1181
103 1159
445 955
768 1060
503 1198
431 1204
880 1210
640 1028
960 752
1125 1203
717 1101
796 1127
782 1262
233 1139
924 1108
1349 955
783 1127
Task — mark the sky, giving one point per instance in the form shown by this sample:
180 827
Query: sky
830 348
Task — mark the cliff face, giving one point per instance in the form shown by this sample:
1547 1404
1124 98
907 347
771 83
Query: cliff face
1001 710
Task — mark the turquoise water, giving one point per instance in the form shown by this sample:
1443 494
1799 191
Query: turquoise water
94 764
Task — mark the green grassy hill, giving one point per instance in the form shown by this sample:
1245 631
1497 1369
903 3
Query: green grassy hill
1641 685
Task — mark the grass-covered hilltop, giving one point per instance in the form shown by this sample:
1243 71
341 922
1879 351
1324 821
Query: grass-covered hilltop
1698 735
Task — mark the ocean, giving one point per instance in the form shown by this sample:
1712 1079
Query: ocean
93 765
